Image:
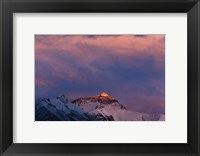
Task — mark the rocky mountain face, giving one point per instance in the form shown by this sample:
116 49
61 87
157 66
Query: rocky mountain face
101 107
98 101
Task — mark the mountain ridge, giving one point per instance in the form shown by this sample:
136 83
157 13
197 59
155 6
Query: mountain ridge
102 98
101 107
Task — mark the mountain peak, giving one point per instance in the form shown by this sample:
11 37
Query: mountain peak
104 94
101 99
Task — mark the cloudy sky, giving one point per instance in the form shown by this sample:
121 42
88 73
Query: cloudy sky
131 68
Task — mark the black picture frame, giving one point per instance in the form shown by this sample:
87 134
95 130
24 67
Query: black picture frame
8 7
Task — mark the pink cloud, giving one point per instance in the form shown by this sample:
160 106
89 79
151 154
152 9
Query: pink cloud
87 52
79 45
157 85
42 83
124 45
149 103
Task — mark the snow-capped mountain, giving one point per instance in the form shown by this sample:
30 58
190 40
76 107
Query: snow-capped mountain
97 102
60 109
108 106
95 108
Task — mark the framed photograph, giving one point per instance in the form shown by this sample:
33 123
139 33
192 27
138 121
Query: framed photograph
99 77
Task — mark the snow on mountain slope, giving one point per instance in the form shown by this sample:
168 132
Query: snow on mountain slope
60 109
106 105
91 103
118 113
102 107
